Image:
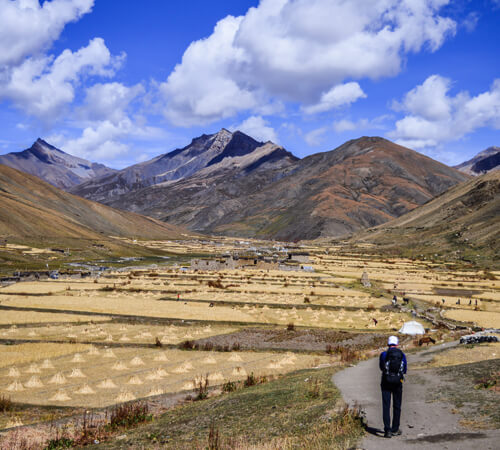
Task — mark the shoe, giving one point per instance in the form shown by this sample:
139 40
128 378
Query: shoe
388 434
397 433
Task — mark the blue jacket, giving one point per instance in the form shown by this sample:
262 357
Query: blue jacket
382 358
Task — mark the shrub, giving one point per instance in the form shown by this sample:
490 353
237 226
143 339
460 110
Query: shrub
5 404
306 300
313 387
290 327
59 443
236 347
201 388
208 346
187 345
215 284
158 342
129 414
251 380
370 307
229 386
214 442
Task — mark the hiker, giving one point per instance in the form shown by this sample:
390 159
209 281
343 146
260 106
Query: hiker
458 302
178 297
443 300
470 302
375 321
394 300
393 365
476 301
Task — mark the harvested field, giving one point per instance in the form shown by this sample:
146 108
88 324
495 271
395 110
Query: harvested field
19 355
26 317
480 318
101 377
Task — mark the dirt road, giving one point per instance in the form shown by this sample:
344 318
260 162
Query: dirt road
425 424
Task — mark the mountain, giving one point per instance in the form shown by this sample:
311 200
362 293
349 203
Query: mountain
32 208
268 193
483 162
202 152
463 220
53 165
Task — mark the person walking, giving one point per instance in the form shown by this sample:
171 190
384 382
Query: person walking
393 365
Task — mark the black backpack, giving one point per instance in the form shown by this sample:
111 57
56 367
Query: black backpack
394 365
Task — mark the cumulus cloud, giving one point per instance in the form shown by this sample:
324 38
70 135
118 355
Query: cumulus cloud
434 117
42 86
348 125
109 101
258 128
340 95
315 137
298 50
26 27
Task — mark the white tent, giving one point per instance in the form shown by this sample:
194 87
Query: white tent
412 328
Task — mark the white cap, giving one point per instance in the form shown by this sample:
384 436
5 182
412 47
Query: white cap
393 340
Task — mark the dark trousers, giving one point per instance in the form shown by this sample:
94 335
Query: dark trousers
396 392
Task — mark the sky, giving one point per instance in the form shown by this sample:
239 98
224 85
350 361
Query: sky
122 82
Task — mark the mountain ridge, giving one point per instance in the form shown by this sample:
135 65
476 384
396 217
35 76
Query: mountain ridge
54 165
483 162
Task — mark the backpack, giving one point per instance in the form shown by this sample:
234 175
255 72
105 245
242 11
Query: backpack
393 367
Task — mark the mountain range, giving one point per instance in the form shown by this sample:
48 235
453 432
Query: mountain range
483 162
32 209
228 183
462 222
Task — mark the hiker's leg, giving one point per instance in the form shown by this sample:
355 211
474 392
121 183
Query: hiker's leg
386 409
396 401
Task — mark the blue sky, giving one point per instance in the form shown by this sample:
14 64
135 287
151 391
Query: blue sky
121 82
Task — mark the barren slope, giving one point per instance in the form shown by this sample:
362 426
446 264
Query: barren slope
363 183
31 207
465 218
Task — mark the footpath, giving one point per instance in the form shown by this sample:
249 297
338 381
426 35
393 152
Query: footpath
425 424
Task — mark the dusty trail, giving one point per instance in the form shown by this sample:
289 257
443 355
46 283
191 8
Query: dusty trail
425 425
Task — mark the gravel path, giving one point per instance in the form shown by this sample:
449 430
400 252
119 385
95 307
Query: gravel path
425 425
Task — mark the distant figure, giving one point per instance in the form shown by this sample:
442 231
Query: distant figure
458 302
443 300
178 297
375 321
211 305
406 300
394 300
470 302
393 365
414 313
476 301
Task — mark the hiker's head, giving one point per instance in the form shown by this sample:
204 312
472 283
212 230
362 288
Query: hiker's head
392 341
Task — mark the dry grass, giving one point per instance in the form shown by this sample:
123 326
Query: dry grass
15 317
464 355
102 377
487 319
21 354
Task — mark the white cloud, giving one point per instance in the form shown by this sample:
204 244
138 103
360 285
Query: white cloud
26 27
297 50
315 137
43 86
434 117
258 128
109 101
340 95
348 125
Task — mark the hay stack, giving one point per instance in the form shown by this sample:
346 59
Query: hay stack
161 357
119 366
77 373
106 384
47 364
134 379
183 368
34 382
239 372
33 368
158 374
188 386
60 396
210 360
85 390
124 396
235 358
13 372
214 377
136 361
108 353
124 338
16 386
78 358
94 351
58 378
155 391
